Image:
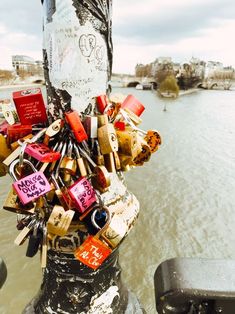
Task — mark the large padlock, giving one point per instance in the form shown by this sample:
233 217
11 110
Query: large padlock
59 220
93 250
83 194
30 187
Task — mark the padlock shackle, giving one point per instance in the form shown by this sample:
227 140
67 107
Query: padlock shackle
17 161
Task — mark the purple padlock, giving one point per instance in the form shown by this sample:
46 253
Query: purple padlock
30 187
83 194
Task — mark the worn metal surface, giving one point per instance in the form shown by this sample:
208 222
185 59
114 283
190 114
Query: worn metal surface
186 285
69 286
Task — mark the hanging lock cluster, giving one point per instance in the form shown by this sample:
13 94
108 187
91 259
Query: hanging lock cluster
61 170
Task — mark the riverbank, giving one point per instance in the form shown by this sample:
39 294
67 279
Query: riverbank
188 91
17 86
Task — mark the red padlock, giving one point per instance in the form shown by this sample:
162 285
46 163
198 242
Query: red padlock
73 119
30 106
133 104
102 103
42 152
17 131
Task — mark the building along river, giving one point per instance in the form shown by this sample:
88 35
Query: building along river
186 192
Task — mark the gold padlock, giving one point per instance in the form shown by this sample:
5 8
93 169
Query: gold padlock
128 143
68 164
106 136
144 155
5 151
12 204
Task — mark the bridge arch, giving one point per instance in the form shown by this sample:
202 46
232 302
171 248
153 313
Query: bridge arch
133 84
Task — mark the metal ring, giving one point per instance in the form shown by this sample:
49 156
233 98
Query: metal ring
108 216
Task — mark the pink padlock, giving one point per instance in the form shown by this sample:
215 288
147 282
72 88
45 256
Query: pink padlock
30 187
42 152
83 194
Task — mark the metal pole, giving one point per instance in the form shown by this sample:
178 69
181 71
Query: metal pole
78 63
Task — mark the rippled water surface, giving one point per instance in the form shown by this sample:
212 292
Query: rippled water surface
186 193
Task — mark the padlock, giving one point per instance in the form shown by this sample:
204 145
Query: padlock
117 161
134 118
59 220
30 187
26 230
30 106
80 163
107 138
41 152
144 155
83 194
133 104
93 250
5 151
69 164
35 240
16 144
52 130
75 123
100 176
17 151
9 111
102 102
17 131
99 158
115 231
128 143
12 204
153 139
62 193
91 126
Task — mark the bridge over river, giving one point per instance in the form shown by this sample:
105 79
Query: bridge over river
123 80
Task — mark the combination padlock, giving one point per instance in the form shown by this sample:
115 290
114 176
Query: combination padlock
30 187
93 250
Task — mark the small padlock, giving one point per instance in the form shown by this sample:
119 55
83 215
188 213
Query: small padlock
83 194
52 130
80 163
75 123
102 102
144 155
30 187
94 251
9 111
41 152
59 220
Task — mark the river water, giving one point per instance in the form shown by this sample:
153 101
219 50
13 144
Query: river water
186 192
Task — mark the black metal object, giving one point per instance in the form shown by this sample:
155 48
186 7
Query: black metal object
3 272
195 286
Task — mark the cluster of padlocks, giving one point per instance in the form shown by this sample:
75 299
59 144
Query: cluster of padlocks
60 171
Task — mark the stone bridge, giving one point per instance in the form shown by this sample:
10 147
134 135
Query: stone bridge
119 80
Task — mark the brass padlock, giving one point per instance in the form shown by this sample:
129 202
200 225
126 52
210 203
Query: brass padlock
68 164
107 136
60 220
128 143
5 151
12 204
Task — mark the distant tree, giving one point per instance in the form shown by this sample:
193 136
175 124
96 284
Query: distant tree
6 75
169 86
163 71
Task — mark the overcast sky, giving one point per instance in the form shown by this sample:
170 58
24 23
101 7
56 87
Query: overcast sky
142 31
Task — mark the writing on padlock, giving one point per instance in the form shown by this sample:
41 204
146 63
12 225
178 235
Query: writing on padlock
59 220
11 204
93 252
30 187
41 152
83 194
